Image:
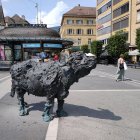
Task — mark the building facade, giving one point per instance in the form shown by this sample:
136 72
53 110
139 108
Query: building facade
79 24
113 16
135 22
104 20
118 15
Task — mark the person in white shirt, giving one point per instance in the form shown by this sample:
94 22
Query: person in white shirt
120 68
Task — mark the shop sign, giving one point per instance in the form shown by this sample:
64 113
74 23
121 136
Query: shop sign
50 45
31 45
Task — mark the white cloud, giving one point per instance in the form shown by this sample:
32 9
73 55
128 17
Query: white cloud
53 18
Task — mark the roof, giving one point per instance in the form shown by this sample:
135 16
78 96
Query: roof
18 20
9 20
2 21
33 33
28 31
81 11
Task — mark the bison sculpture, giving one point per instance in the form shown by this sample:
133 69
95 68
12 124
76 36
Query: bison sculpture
50 79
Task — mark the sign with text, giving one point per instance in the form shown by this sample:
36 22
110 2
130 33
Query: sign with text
31 45
50 45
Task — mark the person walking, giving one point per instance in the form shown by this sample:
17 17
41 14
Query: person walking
120 68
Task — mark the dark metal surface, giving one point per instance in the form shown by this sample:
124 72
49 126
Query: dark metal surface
52 79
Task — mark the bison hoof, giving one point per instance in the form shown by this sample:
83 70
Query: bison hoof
23 112
47 118
61 113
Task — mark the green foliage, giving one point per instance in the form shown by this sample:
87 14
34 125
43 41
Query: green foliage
96 48
75 48
138 38
85 49
127 56
117 44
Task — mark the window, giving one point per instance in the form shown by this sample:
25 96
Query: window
89 41
69 21
79 21
104 8
70 31
105 30
123 9
5 53
99 1
90 22
2 53
104 19
121 24
90 31
138 1
116 1
138 16
79 41
79 31
17 52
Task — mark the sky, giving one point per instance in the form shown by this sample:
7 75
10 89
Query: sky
49 11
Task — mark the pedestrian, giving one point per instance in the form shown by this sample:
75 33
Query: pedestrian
121 67
42 56
55 58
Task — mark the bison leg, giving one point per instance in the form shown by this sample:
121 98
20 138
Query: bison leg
22 109
46 114
13 88
25 103
60 111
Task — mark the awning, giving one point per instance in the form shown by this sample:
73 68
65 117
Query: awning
65 42
134 52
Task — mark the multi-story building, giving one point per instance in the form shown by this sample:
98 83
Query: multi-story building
104 20
135 19
113 16
79 24
116 15
121 17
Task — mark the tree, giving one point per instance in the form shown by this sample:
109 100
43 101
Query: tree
138 38
85 49
117 44
96 48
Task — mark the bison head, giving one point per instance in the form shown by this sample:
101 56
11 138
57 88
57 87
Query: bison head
82 64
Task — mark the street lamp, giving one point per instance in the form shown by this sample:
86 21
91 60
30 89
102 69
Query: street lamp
36 6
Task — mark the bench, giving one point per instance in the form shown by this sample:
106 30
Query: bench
135 65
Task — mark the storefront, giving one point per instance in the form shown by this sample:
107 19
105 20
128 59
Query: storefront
22 43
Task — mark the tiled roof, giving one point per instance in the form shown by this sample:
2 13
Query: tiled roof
9 20
28 32
18 20
81 11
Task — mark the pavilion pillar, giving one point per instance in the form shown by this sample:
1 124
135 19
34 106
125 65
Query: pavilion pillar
12 52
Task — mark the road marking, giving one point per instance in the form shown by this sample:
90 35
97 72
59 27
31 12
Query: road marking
105 90
52 130
4 78
53 127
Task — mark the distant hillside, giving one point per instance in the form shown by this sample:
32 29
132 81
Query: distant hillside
57 28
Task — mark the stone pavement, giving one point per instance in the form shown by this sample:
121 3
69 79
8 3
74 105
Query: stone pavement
98 108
